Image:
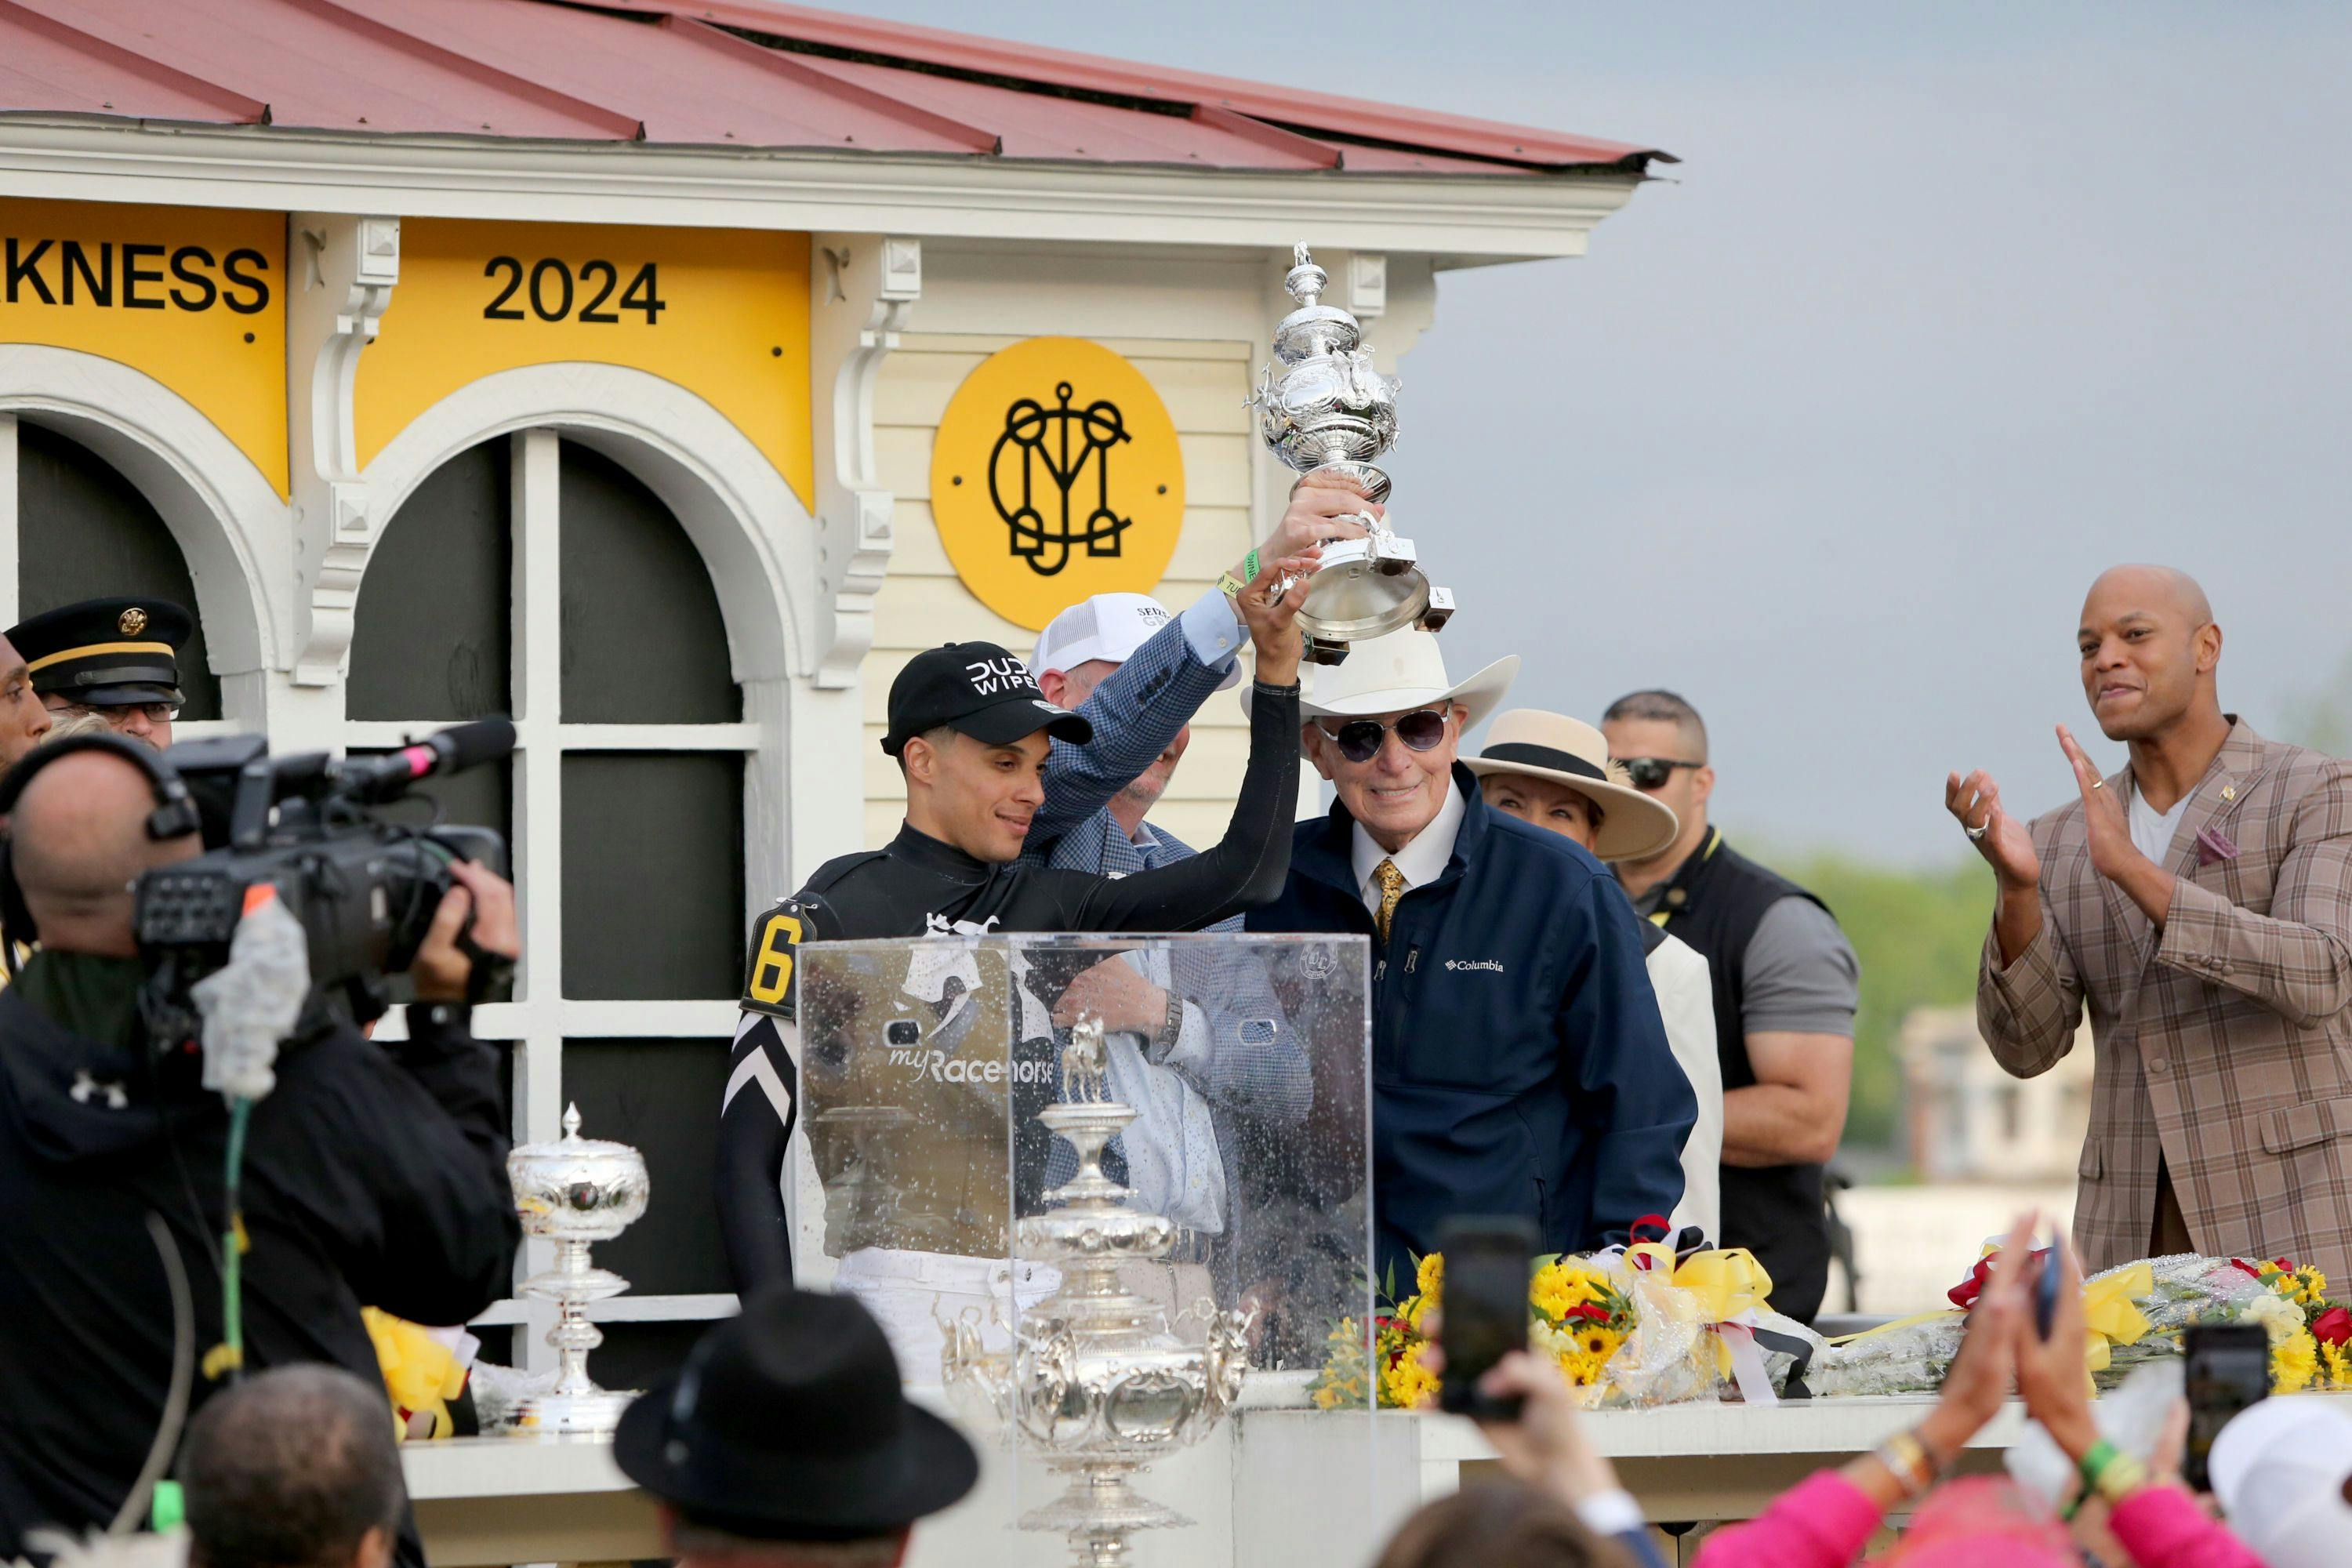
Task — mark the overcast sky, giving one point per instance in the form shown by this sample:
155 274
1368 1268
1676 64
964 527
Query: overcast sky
1944 310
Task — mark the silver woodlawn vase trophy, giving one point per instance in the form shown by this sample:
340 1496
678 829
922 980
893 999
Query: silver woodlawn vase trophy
573 1192
1327 414
1094 1380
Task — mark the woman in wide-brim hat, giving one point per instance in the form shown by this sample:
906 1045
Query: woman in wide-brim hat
1567 755
1554 771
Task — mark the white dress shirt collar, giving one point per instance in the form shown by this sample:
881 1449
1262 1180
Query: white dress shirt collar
1422 859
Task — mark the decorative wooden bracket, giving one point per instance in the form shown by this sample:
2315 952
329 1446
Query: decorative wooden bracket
863 287
345 266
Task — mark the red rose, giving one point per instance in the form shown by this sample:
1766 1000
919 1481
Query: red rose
2241 1263
1588 1311
2283 1266
2333 1326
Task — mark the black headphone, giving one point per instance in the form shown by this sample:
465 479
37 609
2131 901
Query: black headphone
174 816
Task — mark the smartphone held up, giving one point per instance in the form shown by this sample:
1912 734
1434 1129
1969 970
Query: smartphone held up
1489 1262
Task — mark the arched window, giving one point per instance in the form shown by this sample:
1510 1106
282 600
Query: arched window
536 575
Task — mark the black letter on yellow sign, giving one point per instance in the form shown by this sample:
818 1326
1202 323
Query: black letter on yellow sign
260 301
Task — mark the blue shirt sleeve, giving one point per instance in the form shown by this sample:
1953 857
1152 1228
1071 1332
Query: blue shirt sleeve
1136 712
1630 1091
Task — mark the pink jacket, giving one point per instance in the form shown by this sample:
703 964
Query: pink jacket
1824 1521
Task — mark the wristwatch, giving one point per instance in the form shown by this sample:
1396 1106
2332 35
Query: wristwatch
1170 1026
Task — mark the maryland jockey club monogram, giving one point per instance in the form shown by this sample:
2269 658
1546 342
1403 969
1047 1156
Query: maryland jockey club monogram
1062 442
1056 474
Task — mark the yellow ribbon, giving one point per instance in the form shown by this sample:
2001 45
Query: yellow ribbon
1723 1284
2111 1314
419 1372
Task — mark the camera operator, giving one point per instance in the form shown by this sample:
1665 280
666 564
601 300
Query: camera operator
372 1174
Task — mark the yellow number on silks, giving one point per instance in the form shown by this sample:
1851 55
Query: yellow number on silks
773 957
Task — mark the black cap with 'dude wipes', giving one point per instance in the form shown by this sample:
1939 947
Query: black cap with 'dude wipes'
978 689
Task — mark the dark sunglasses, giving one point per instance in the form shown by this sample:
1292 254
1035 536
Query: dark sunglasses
1360 739
1650 772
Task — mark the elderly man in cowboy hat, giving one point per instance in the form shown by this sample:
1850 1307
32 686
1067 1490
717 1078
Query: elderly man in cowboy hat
1519 1064
1554 771
787 1440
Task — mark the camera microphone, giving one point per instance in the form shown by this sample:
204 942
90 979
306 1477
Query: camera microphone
454 750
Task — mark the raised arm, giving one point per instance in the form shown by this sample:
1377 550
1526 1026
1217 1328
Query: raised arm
1246 867
2028 998
1139 708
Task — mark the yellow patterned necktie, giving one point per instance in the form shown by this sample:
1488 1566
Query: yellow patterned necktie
1390 882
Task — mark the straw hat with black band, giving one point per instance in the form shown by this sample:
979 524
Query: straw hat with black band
1571 753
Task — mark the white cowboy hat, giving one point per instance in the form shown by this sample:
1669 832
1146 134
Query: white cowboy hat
1570 753
1390 674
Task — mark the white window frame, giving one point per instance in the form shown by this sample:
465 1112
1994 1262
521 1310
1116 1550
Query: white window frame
538 1021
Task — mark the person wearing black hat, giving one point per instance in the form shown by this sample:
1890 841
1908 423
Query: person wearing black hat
968 728
119 658
786 1430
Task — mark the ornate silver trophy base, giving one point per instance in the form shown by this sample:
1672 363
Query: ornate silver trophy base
1328 414
1095 1381
573 1192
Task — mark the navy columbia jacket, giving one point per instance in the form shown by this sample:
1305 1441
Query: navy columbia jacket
1520 1066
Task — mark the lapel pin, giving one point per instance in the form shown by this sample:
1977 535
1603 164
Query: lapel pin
2228 791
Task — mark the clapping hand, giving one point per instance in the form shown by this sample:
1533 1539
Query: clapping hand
2000 838
2103 817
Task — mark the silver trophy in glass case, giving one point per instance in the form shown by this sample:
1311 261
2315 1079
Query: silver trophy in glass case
573 1192
1328 412
1095 1381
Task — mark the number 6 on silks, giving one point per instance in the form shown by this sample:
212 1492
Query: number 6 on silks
772 962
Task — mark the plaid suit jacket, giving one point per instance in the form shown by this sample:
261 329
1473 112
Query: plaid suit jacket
2224 1041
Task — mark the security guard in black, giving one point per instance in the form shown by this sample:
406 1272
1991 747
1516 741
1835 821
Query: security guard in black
923 883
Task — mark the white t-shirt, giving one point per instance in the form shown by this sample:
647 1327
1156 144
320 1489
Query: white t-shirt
2153 833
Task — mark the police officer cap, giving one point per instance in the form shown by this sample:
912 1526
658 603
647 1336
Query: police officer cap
978 689
106 653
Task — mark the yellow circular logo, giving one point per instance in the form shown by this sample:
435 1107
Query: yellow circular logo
132 621
1056 476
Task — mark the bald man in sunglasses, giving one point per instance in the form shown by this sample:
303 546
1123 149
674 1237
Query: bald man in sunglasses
1520 1064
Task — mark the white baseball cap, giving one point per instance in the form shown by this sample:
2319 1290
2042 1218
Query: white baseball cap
1108 627
2280 1468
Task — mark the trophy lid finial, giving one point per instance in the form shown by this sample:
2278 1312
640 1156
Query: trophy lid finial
1305 280
571 1120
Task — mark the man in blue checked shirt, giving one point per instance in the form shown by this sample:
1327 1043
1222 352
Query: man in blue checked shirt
1201 1036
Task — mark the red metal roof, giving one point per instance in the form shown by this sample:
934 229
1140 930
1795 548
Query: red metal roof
722 73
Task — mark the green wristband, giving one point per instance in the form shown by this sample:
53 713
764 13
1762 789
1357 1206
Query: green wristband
1249 567
2094 1462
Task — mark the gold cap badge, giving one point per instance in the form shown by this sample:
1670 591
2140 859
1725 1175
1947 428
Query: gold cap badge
132 621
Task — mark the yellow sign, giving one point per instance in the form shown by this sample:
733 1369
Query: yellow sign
1056 475
192 296
724 313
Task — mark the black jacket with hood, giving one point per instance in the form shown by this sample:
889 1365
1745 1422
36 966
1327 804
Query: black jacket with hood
373 1174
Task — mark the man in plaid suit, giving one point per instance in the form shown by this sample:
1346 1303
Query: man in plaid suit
2199 902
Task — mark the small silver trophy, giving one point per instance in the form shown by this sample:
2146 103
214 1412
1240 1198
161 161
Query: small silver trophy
573 1192
1328 414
